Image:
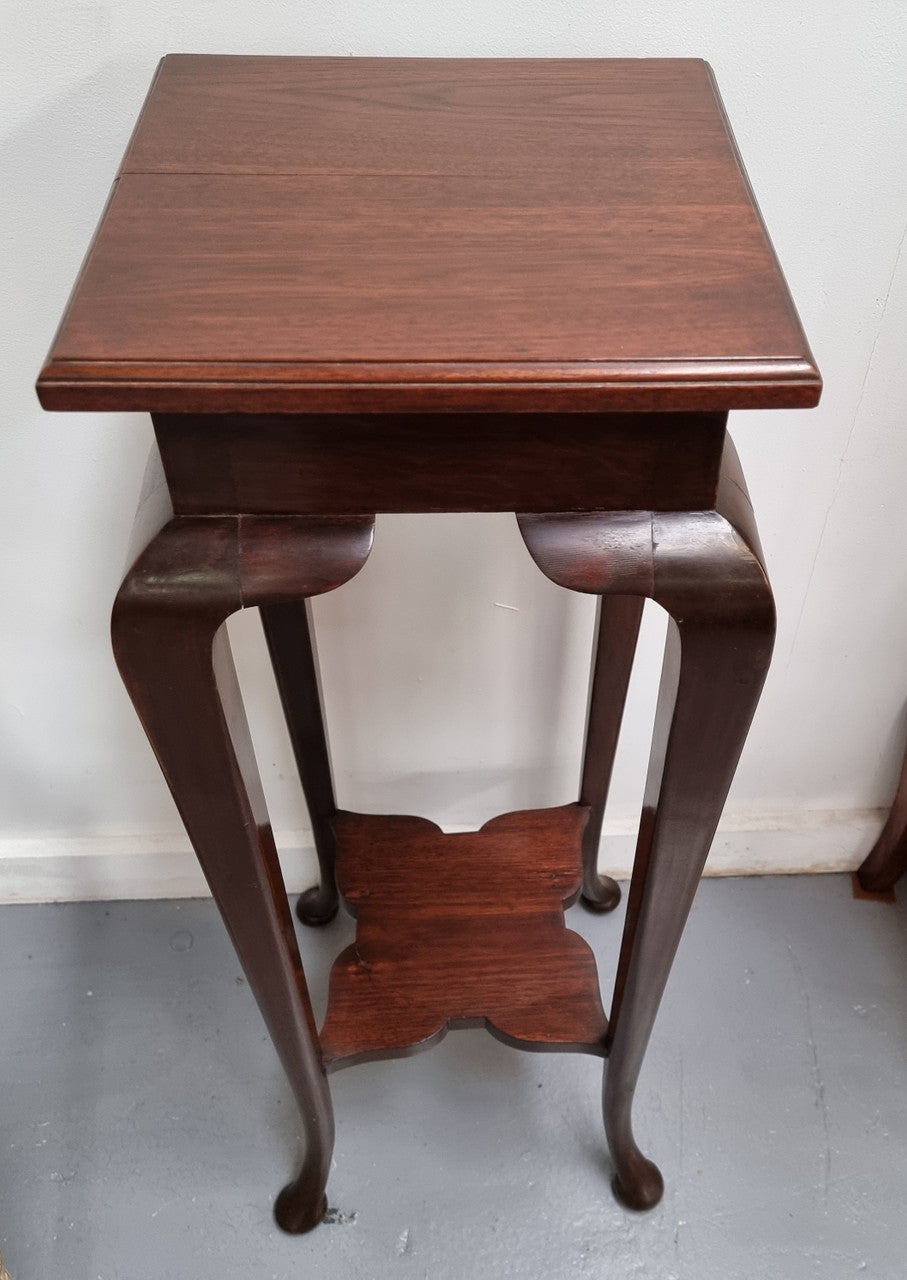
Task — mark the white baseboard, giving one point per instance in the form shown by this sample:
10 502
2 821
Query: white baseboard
161 864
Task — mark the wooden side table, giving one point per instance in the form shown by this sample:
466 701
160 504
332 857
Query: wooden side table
344 287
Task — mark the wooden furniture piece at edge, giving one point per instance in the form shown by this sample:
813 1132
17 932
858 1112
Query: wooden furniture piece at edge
886 862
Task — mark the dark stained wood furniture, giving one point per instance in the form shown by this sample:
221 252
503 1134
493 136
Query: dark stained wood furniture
886 861
344 287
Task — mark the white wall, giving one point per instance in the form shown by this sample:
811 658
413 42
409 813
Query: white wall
442 701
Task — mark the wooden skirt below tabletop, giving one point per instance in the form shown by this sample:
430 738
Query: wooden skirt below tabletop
346 465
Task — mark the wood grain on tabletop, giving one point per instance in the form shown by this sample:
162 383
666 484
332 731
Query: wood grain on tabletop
367 235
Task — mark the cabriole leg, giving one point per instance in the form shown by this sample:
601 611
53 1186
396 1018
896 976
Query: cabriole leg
720 637
710 683
288 632
705 568
174 656
617 629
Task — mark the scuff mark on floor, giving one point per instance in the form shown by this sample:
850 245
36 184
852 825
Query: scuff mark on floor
336 1217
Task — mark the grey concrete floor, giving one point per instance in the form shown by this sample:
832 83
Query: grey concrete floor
145 1125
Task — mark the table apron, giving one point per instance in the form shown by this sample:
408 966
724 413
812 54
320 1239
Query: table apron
220 464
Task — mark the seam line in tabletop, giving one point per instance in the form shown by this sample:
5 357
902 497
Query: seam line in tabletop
164 172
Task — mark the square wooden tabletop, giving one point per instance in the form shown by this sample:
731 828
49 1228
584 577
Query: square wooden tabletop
382 235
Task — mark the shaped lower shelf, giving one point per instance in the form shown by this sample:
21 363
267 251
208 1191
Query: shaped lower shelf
461 930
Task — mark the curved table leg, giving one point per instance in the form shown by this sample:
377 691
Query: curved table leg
288 632
710 685
706 569
174 657
886 862
617 630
